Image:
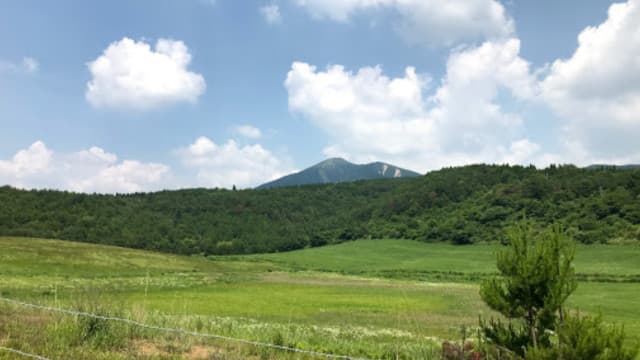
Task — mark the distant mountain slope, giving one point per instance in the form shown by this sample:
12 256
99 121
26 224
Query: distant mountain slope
339 170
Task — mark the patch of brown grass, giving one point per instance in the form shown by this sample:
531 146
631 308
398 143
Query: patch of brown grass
148 349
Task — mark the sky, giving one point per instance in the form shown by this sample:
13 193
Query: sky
142 95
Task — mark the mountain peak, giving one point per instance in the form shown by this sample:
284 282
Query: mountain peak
336 161
335 170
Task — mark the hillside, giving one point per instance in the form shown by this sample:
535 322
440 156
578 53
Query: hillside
339 170
462 205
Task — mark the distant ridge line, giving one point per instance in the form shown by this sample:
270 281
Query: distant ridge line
613 166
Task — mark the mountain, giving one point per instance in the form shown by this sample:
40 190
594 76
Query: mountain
340 170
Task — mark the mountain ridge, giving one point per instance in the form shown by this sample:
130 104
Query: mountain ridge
612 166
336 170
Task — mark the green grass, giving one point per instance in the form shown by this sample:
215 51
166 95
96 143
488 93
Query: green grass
26 256
373 256
404 256
366 298
616 302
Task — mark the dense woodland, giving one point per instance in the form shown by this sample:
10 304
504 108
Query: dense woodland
460 205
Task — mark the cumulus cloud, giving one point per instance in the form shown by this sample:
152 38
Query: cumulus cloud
231 164
271 14
370 116
92 170
28 65
596 91
33 160
248 131
206 164
430 22
131 75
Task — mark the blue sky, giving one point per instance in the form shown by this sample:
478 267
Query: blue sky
124 96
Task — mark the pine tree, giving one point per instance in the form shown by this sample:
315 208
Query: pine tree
536 278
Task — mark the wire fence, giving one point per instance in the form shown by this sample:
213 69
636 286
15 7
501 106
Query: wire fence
22 353
176 331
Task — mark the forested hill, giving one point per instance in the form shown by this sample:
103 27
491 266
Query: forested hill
459 205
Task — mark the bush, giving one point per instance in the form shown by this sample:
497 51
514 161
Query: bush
586 338
95 332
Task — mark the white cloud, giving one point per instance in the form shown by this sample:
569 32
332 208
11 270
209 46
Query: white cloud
370 116
430 22
206 164
28 65
248 131
271 14
92 170
131 75
33 160
597 90
231 164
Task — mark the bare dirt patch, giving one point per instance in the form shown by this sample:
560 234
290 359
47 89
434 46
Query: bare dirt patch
200 352
147 348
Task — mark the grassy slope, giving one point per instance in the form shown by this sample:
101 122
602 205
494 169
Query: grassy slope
192 285
250 300
372 256
617 301
24 257
264 297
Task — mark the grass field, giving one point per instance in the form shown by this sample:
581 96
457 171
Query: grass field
378 299
389 257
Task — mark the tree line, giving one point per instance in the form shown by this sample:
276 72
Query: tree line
461 205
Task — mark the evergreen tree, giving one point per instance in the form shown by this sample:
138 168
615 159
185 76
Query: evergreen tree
536 277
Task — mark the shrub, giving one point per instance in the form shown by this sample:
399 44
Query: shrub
586 338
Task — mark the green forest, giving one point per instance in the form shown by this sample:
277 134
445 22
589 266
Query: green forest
461 205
